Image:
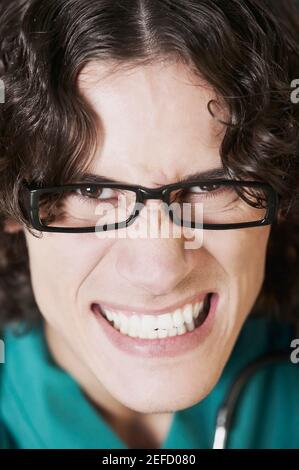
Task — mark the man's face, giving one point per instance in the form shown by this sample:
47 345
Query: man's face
156 129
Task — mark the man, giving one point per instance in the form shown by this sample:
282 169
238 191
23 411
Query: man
114 110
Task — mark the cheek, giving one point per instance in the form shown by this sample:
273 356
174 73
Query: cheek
59 264
239 250
241 254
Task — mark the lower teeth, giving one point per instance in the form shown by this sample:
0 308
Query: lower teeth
197 322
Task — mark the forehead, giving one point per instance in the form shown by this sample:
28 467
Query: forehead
152 117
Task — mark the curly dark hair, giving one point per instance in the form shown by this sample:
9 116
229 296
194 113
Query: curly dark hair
247 50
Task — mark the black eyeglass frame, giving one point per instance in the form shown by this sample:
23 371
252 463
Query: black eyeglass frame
143 193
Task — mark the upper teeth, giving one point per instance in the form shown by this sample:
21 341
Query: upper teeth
155 326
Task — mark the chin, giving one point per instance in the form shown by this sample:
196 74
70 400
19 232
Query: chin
165 404
154 396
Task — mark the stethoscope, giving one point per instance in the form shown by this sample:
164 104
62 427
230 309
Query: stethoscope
225 413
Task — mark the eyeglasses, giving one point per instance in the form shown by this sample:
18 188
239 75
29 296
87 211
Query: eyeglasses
213 205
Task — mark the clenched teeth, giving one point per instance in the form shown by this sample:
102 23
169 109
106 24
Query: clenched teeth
178 322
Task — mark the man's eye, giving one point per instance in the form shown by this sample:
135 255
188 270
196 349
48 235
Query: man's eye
96 193
203 189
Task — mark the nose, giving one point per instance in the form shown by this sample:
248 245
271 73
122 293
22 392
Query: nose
155 265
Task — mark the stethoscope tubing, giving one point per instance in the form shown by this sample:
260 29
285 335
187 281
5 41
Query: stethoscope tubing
226 411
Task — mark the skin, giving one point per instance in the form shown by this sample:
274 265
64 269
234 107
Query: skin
155 129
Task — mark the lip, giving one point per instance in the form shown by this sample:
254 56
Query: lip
154 348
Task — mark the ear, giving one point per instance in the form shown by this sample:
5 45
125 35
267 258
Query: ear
12 226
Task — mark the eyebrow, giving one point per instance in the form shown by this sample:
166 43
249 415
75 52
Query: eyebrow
207 175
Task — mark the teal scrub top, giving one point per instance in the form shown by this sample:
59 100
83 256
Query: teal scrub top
42 407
